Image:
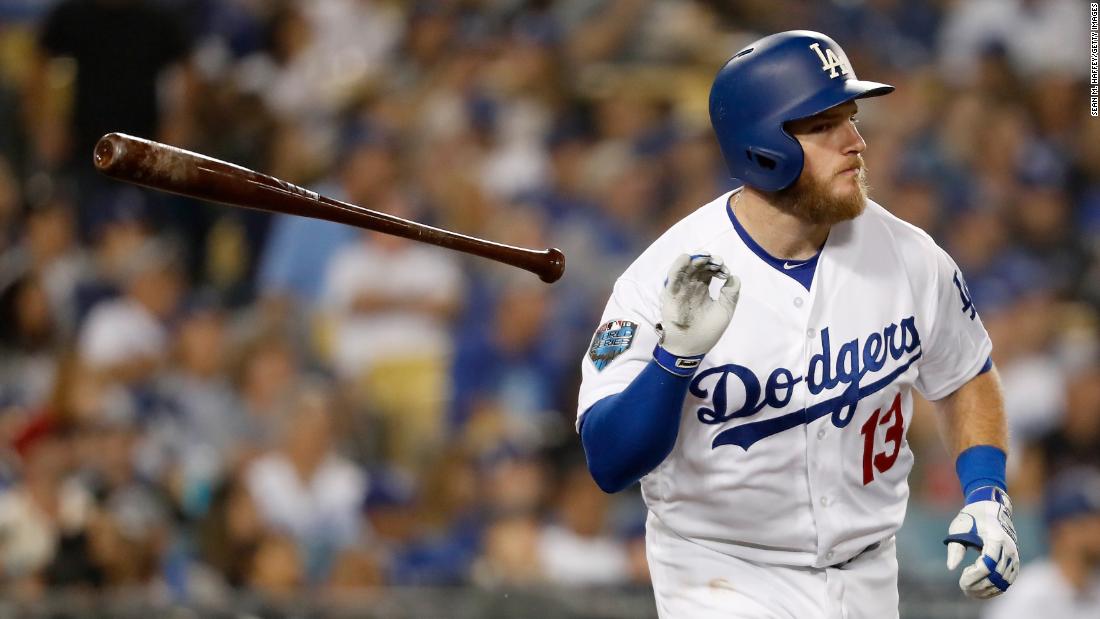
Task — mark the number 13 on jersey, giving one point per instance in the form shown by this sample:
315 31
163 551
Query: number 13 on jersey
894 423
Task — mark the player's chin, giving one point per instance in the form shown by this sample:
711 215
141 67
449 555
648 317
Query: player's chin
847 189
848 202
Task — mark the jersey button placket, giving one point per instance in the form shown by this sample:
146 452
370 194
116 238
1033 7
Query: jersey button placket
816 469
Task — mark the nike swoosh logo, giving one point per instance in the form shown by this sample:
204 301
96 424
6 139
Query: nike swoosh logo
787 266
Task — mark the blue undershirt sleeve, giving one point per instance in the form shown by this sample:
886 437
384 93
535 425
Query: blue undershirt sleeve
626 435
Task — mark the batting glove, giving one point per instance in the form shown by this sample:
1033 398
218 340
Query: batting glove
691 321
985 524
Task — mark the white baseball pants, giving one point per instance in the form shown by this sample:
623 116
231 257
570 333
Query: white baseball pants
694 582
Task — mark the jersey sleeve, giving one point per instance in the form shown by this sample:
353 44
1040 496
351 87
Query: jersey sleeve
957 345
622 344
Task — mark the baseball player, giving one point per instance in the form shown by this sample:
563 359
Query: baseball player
760 387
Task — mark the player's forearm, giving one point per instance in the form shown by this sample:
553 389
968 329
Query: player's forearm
627 435
974 428
974 414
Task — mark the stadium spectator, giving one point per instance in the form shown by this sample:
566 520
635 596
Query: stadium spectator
1075 441
200 430
306 490
229 534
29 344
116 77
126 339
265 376
389 302
575 549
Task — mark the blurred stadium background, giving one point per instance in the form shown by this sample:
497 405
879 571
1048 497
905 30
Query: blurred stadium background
213 412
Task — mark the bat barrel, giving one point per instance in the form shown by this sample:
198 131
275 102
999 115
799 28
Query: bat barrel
108 150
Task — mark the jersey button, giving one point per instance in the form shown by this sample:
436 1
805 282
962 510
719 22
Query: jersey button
821 434
829 555
798 301
810 333
824 501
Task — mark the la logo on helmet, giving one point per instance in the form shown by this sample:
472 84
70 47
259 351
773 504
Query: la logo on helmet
830 61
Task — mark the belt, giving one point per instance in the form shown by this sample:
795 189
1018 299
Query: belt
857 555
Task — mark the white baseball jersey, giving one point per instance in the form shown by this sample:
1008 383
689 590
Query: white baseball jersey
792 448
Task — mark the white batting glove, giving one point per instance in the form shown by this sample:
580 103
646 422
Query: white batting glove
691 321
985 524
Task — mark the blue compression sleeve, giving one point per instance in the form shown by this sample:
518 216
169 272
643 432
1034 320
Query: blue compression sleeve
628 434
980 465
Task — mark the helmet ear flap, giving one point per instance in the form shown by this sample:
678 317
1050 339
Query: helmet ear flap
760 159
770 169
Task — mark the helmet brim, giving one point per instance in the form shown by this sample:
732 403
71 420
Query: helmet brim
864 89
852 89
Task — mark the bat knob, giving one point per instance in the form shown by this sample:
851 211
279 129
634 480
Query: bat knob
554 266
108 150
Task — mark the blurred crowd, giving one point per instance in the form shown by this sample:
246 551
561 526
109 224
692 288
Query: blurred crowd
197 400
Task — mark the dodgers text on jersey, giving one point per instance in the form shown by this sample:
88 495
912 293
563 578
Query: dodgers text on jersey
854 360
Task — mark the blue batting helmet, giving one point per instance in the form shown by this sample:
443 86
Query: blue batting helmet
782 77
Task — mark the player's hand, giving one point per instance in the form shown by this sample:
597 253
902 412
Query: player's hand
691 321
984 524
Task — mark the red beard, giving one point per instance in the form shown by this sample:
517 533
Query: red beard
813 201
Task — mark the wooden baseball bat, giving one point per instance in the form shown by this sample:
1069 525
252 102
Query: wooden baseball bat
167 168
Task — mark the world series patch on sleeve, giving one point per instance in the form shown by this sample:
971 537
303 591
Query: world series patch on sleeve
611 340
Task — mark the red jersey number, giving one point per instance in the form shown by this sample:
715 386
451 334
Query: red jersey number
883 460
